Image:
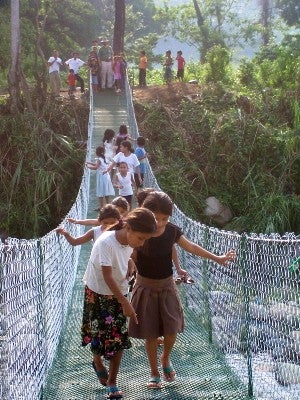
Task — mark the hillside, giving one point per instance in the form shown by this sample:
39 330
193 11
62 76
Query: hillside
204 141
169 95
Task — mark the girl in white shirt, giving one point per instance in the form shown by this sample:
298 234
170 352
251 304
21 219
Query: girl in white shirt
124 181
106 305
126 154
104 187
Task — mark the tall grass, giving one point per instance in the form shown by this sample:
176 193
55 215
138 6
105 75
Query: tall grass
38 184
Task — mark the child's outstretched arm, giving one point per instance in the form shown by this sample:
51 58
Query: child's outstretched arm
91 165
176 262
85 222
201 252
109 168
89 235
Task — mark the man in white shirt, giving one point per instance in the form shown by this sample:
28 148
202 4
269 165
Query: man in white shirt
75 63
54 64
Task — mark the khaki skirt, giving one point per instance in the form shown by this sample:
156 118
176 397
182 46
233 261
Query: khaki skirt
158 308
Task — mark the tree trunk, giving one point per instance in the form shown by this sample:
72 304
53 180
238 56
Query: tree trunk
119 28
265 20
14 71
203 30
40 71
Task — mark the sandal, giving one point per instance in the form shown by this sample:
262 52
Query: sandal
102 375
113 392
184 279
154 383
169 373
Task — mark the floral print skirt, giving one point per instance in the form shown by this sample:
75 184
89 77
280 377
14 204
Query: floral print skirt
103 324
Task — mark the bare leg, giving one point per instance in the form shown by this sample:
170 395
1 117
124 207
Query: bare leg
169 372
100 368
114 365
107 199
151 349
98 362
101 202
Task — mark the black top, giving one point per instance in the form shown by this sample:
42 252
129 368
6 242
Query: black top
154 258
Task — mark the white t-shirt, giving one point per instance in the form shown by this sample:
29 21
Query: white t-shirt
107 251
75 64
110 151
126 182
97 231
56 65
131 160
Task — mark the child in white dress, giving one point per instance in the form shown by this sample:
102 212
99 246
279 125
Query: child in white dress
104 187
124 181
109 143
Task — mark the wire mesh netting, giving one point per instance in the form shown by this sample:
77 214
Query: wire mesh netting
243 323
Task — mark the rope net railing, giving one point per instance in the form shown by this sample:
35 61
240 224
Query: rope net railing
249 311
36 281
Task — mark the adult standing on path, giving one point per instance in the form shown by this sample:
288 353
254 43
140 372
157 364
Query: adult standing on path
75 63
106 60
54 64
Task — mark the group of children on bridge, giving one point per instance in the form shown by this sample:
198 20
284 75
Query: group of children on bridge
127 242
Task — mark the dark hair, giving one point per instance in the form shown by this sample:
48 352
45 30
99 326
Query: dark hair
109 211
140 141
123 129
108 135
121 202
126 143
143 194
158 202
143 52
71 70
100 152
141 220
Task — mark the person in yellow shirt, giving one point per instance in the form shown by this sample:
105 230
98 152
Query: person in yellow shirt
142 69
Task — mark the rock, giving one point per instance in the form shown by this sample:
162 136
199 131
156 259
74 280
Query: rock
284 312
287 373
258 311
217 211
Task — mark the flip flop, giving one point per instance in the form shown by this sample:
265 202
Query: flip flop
154 383
113 392
169 373
184 279
103 374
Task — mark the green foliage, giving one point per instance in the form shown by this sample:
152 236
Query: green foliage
38 159
216 145
290 11
217 64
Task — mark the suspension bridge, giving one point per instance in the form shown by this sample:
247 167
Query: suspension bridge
240 340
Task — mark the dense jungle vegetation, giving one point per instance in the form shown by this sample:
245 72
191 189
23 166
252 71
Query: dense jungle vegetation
237 140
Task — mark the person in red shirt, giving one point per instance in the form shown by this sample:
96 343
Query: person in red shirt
72 83
180 65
